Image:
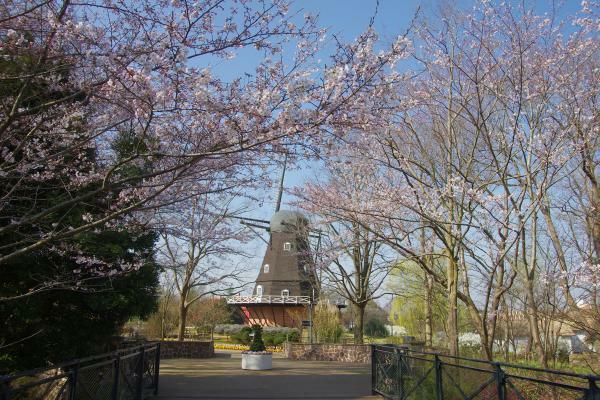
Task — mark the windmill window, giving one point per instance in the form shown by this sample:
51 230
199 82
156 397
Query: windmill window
285 293
259 290
287 246
266 268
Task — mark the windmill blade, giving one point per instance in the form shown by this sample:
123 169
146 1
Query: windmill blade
280 193
266 228
262 221
252 226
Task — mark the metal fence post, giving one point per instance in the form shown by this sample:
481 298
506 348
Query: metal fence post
116 376
140 375
439 393
400 375
373 370
73 383
500 382
593 392
156 368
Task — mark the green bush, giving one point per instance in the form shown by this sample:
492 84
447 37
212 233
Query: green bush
279 338
375 328
243 336
257 342
294 336
269 339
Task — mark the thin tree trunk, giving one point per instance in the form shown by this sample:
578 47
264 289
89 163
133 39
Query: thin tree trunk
453 305
532 314
428 292
560 254
429 311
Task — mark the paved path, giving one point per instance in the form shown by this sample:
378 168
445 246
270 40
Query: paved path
222 378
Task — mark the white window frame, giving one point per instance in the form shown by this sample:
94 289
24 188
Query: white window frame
259 290
266 268
285 293
287 246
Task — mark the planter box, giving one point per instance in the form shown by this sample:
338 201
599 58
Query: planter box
257 362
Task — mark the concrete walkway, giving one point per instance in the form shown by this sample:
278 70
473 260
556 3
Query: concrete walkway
222 378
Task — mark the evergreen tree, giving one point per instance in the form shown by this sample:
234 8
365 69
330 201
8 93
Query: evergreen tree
90 296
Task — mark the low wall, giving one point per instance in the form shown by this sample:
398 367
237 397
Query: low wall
186 349
353 353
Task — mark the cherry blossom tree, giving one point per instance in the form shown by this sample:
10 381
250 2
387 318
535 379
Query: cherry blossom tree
473 151
351 259
144 71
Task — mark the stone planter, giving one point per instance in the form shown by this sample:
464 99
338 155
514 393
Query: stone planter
257 361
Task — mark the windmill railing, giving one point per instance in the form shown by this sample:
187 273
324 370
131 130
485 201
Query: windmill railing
239 299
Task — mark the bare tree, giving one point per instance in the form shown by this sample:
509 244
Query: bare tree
198 245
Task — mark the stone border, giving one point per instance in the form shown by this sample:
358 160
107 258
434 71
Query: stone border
186 349
351 353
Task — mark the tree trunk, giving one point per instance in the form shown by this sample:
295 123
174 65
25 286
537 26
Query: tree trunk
182 320
452 304
359 315
534 327
561 258
429 311
428 292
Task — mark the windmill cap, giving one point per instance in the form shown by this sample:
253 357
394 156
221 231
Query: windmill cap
287 221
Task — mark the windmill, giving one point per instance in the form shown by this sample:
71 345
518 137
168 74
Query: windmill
285 286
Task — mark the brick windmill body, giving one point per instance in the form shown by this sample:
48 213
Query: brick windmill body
285 286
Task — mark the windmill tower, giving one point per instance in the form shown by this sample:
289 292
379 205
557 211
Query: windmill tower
285 285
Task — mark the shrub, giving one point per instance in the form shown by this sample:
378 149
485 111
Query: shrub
294 336
257 342
233 330
326 323
268 338
243 336
279 338
375 328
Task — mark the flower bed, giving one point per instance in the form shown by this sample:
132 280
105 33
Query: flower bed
244 347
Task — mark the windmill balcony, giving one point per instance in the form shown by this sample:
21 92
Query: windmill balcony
239 299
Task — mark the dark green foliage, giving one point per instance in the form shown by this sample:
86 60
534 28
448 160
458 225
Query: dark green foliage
257 341
278 338
268 339
375 328
243 336
294 336
66 324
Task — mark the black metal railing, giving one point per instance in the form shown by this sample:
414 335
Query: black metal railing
130 373
400 373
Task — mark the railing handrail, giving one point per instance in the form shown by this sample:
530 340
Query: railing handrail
63 365
397 372
268 299
139 365
494 363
